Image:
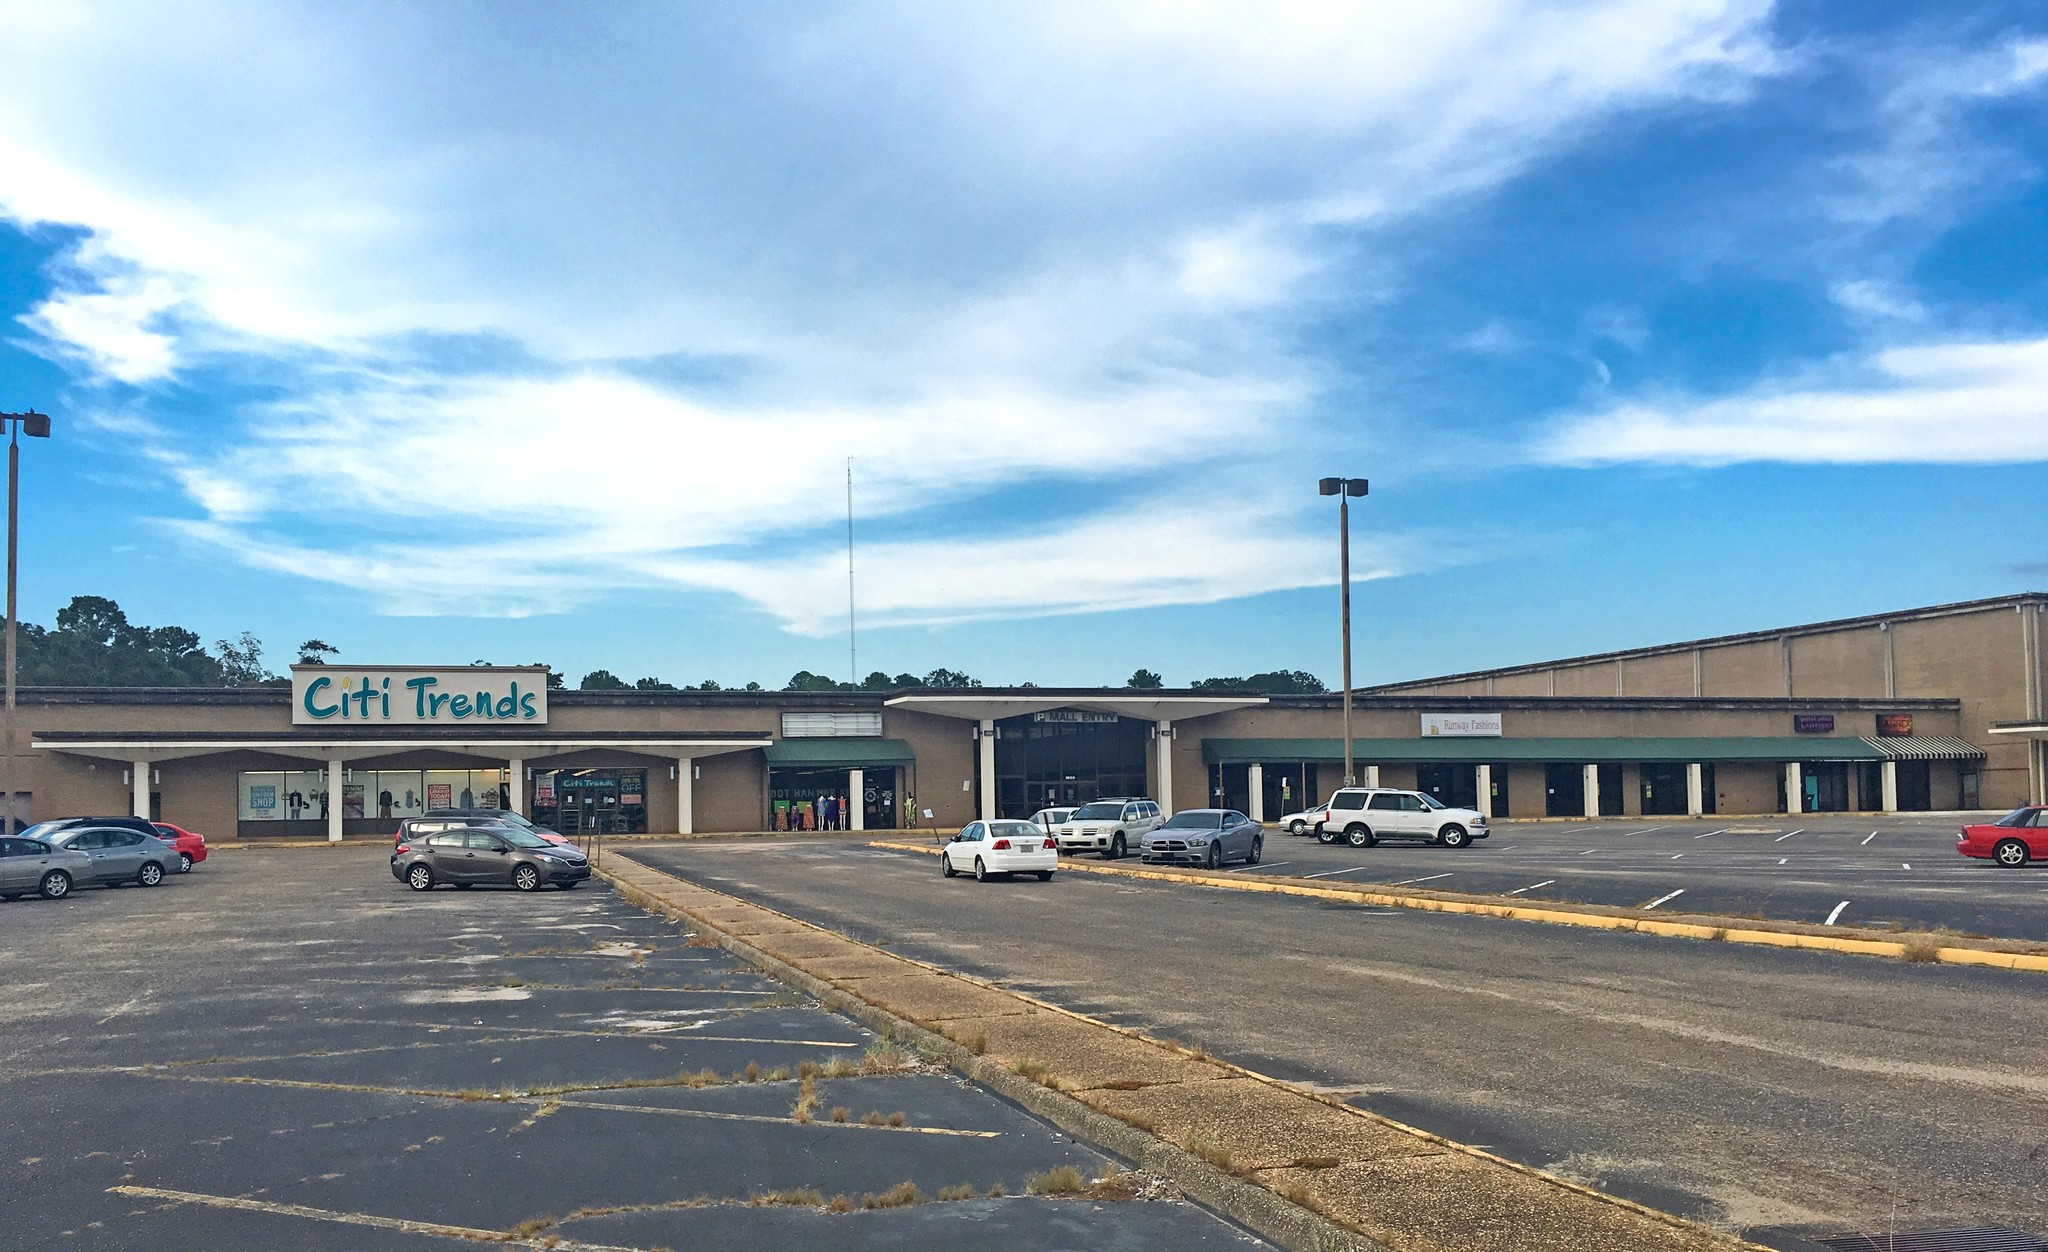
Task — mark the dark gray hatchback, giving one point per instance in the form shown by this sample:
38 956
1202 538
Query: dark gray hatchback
497 855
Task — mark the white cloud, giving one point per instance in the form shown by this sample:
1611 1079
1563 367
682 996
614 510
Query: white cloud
975 248
1873 298
1962 403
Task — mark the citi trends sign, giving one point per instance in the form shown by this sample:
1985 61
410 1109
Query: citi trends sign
408 695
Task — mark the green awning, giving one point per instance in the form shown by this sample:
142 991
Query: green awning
825 753
1562 750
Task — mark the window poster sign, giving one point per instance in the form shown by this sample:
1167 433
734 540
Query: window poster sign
352 799
1813 723
1894 725
440 796
414 695
1461 725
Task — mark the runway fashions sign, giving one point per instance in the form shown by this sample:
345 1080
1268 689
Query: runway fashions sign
410 695
1461 725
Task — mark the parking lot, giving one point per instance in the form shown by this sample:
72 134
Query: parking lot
1863 871
1786 1095
289 1049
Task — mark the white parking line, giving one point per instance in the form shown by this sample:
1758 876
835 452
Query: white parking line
1661 899
1837 913
1903 865
1646 830
1676 855
1781 860
1788 834
1427 878
1349 869
1722 831
1867 838
1532 886
1589 852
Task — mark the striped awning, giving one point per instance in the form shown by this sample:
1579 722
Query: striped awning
1927 748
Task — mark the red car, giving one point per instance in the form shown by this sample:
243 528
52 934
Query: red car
191 848
2012 840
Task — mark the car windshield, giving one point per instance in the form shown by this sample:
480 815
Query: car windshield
1100 811
41 830
2018 817
1197 820
520 838
1013 830
1430 801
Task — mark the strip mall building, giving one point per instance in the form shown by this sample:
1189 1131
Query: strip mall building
1929 709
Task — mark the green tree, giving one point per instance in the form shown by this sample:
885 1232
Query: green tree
602 680
95 645
709 684
1146 680
751 687
877 681
805 680
316 652
949 678
653 684
241 661
1279 682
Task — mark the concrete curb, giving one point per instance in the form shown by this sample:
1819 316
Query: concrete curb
1483 906
1255 1206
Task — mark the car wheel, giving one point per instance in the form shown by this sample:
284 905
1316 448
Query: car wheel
1045 875
1258 850
420 878
1116 847
1453 836
150 874
184 862
946 866
1325 835
55 885
980 871
1360 836
1297 827
2010 853
1216 855
526 878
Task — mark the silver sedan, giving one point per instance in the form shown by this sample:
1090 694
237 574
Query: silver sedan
117 854
31 865
1206 837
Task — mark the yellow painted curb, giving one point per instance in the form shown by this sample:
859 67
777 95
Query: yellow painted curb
1552 916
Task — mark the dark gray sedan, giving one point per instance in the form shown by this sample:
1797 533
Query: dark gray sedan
117 854
496 855
31 865
1208 837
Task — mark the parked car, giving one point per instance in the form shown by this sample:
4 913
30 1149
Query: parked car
43 830
1301 823
191 847
1005 847
1205 837
31 865
1050 820
2013 840
465 856
414 829
1362 816
116 854
504 816
1113 826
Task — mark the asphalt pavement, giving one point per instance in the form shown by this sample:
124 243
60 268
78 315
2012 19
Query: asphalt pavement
287 1048
1786 1095
1829 870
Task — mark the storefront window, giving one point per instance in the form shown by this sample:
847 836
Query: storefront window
263 798
590 801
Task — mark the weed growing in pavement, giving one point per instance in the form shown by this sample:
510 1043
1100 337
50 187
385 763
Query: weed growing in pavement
1717 934
1034 1070
902 1195
874 1118
963 1191
996 1191
1206 1146
1061 1180
1316 1162
700 941
884 1057
808 1069
840 1067
752 1073
530 1227
1921 949
840 1204
842 1114
798 1197
973 1040
806 1099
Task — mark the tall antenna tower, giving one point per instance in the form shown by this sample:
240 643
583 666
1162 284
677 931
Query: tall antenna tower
852 636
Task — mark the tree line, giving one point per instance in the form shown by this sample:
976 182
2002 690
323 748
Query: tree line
93 644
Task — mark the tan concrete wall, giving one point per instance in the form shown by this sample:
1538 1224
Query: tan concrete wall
1587 680
1746 787
1839 663
1980 659
945 758
1522 684
1669 674
1744 669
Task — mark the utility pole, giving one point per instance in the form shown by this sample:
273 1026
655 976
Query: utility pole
1344 489
36 426
852 638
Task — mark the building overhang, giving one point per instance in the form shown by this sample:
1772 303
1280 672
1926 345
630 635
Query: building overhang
2030 730
530 747
989 707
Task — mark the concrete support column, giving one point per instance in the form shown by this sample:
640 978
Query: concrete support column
1591 786
1485 773
1888 786
1165 741
686 796
1372 776
1695 789
856 799
334 799
515 785
138 775
1257 811
988 771
1795 796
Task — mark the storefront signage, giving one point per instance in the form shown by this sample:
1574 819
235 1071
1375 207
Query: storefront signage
1814 723
328 695
1894 725
1461 725
1074 715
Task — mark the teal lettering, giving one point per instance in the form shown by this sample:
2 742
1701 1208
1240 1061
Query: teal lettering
385 696
313 689
419 695
363 698
483 704
434 703
508 706
526 708
460 706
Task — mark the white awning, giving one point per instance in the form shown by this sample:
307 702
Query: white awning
1926 748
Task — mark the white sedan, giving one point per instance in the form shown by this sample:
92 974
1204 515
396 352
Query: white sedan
1002 847
1303 822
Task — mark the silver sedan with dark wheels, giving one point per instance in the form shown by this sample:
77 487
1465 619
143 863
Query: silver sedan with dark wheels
490 856
32 866
116 855
1206 837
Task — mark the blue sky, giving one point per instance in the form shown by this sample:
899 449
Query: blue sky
543 332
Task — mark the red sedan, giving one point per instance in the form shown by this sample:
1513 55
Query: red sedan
2012 840
191 848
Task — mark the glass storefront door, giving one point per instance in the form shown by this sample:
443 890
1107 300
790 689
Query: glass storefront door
591 801
1073 754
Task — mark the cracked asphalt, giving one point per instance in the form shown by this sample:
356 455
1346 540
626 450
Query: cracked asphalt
288 1048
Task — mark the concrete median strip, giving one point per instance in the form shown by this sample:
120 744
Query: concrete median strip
1304 1170
1928 948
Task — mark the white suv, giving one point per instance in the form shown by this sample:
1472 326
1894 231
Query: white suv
1362 816
1113 826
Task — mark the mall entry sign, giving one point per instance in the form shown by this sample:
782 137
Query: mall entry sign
419 695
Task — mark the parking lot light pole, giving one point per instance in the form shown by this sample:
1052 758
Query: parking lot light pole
1344 489
36 426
